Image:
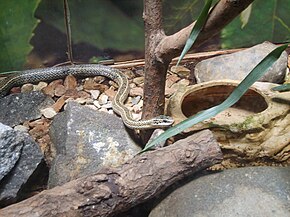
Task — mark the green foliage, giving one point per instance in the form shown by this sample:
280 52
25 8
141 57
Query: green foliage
97 22
282 88
17 23
252 77
269 21
196 29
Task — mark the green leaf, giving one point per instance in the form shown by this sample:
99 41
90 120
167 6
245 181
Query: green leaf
17 23
253 76
99 23
245 15
270 21
196 29
281 88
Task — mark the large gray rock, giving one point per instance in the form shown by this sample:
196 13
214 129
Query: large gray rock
256 191
10 149
21 162
86 140
238 65
17 108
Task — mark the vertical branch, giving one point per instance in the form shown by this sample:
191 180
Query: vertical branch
68 30
155 69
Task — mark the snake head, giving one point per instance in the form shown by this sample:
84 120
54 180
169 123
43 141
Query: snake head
162 121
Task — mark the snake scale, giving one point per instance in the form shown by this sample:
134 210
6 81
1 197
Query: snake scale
82 71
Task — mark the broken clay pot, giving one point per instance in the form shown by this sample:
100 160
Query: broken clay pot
256 127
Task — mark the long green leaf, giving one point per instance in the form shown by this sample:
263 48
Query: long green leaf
196 29
251 78
281 88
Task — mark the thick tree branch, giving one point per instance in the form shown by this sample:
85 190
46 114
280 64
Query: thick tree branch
115 190
221 15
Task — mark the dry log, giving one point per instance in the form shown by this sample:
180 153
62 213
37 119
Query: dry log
115 190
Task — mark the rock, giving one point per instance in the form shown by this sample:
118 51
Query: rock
180 70
238 65
39 86
95 94
171 79
97 104
10 150
21 161
85 141
108 105
17 108
253 191
110 93
70 82
136 91
21 128
59 90
48 112
136 100
26 88
57 106
138 80
103 99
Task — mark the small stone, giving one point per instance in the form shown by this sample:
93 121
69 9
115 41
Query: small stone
92 107
59 90
90 84
138 80
140 103
48 90
81 101
136 117
108 105
95 93
103 99
184 82
137 91
57 106
129 74
40 86
171 79
48 112
113 84
110 111
137 109
97 104
26 88
136 100
110 93
21 128
103 110
99 79
70 82
132 85
15 90
80 87
180 70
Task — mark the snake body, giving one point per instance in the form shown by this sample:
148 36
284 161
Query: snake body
82 71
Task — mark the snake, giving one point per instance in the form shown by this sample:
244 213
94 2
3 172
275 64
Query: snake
18 78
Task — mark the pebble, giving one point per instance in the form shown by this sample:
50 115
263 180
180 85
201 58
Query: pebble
137 91
171 79
40 86
26 88
21 128
110 93
49 90
92 107
110 111
136 117
103 99
136 100
48 112
81 101
137 109
103 110
59 90
138 80
97 104
180 70
70 82
57 106
107 105
95 94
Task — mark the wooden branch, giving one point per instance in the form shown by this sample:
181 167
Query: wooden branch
222 14
115 190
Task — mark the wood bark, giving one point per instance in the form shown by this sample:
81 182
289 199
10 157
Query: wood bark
161 49
115 190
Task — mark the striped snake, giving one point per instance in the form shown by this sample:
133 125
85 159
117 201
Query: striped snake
82 71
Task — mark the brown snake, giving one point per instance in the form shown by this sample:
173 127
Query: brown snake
82 71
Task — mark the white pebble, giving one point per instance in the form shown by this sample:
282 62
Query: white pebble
95 94
21 128
48 112
103 99
97 104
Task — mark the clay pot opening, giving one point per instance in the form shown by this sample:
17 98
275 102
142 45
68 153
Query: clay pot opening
250 103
